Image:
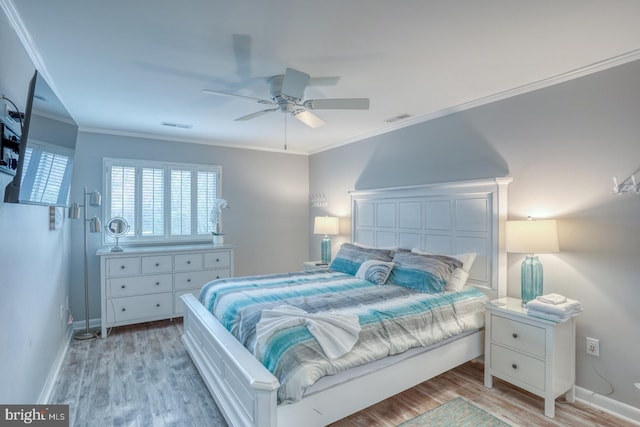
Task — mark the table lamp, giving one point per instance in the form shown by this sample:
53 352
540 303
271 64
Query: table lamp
531 237
327 225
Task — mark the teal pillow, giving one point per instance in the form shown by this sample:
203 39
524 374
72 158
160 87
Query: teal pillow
422 273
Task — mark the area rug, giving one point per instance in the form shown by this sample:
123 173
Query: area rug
457 412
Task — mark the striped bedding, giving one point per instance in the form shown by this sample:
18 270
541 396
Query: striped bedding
393 319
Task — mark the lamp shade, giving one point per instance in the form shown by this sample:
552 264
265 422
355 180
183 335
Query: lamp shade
327 225
532 237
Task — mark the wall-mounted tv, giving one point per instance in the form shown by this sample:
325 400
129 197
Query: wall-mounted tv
45 150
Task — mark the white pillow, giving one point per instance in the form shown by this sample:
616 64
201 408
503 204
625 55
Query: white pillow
459 276
376 272
457 280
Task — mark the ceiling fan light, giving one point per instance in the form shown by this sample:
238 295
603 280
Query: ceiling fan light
308 118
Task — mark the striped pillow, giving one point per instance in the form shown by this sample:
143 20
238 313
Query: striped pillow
422 273
350 257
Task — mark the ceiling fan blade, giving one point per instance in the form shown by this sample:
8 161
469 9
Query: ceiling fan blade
235 95
338 104
294 83
254 115
308 118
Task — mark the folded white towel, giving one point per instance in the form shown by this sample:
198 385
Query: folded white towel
566 308
553 317
552 298
336 333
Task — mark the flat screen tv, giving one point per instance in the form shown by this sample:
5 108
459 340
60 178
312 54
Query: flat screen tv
45 150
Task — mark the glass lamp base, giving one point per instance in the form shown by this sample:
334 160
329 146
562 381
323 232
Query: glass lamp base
325 250
531 278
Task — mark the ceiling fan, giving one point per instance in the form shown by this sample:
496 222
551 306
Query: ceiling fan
287 93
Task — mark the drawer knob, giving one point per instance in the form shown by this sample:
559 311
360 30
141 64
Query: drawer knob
188 280
515 336
514 366
122 267
217 277
217 259
189 262
124 309
157 305
157 264
123 286
157 283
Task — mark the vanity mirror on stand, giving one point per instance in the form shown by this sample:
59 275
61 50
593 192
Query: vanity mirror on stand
117 227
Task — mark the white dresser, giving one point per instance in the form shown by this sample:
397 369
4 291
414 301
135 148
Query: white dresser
534 354
143 284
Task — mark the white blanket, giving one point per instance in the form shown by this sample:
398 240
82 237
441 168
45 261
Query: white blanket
336 333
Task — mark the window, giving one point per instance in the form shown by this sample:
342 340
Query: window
161 201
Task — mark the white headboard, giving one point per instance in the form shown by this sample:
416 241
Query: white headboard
448 218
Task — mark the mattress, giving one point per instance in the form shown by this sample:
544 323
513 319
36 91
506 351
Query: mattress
393 320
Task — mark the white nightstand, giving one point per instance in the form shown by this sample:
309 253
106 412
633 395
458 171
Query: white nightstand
315 265
535 354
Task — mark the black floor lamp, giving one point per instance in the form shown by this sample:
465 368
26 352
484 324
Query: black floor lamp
90 199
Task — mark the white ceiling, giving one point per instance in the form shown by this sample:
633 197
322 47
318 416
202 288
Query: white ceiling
125 66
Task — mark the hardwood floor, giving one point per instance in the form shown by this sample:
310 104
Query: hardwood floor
141 375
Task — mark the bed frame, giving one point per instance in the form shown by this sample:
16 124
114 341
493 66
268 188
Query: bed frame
447 218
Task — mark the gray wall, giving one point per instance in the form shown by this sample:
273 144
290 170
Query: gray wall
561 145
34 267
267 193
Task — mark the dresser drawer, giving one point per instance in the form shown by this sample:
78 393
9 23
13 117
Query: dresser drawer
188 262
177 301
196 279
220 259
518 366
125 266
157 264
519 336
139 307
139 285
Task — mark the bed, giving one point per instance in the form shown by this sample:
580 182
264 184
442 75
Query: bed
449 218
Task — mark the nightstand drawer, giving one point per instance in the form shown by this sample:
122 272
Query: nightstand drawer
526 369
519 336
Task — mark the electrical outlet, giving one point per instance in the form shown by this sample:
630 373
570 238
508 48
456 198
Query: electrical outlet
593 346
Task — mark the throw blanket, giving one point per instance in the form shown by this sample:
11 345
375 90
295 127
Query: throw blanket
392 319
336 333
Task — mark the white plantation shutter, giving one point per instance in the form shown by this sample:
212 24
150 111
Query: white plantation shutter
180 202
161 201
122 195
152 202
207 191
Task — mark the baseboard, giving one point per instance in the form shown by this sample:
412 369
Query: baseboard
606 404
47 389
79 325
